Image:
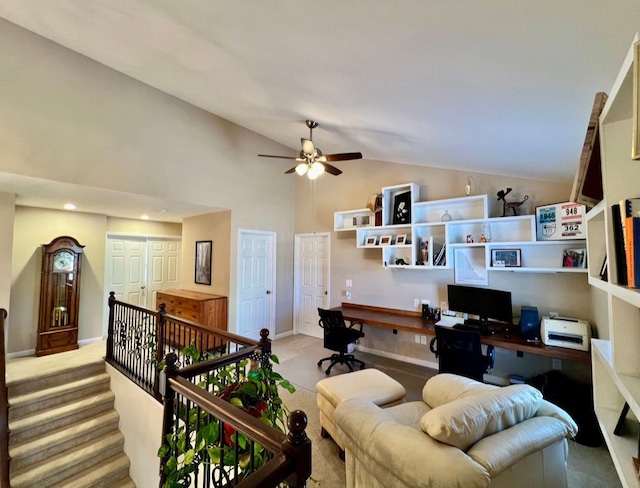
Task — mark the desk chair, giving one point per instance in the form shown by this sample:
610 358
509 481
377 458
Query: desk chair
337 337
460 352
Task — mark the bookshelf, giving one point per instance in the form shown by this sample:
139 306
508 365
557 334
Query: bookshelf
616 358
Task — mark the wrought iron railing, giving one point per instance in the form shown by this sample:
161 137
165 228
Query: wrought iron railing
4 408
139 339
206 439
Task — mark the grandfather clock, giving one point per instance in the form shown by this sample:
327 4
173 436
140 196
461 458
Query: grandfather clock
59 296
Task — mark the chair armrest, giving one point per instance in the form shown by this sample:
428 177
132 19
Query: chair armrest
355 323
401 455
503 449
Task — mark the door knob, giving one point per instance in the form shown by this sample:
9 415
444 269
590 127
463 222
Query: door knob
142 287
268 292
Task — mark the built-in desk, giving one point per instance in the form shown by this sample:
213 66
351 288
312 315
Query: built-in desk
390 318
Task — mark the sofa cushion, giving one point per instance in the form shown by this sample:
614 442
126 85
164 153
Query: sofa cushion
462 422
446 387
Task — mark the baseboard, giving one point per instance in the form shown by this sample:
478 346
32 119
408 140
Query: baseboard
283 335
398 357
85 342
32 352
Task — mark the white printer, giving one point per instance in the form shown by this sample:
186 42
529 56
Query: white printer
566 332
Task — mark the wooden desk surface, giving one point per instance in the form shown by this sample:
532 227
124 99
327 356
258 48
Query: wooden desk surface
389 318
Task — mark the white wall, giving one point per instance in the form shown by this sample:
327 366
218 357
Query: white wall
567 294
67 118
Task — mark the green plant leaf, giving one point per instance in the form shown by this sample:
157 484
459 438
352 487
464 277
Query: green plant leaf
163 451
275 359
189 456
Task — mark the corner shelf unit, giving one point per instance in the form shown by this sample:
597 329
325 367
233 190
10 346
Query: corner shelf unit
463 216
616 360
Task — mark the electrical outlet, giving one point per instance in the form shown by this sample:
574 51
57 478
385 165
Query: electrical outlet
556 363
349 283
444 306
416 302
348 294
417 338
423 340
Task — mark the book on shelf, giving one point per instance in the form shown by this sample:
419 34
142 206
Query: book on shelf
618 240
632 249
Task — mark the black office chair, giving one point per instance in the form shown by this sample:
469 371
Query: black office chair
337 337
460 352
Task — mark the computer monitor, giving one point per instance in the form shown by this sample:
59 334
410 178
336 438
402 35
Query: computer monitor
483 302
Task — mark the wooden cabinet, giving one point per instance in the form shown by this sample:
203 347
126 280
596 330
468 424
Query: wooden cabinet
202 308
616 355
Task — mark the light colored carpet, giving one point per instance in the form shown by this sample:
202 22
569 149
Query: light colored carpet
587 467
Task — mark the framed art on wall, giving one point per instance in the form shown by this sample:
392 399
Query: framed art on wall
402 208
203 262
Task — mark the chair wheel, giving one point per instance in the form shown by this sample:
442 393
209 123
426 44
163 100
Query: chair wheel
319 363
327 371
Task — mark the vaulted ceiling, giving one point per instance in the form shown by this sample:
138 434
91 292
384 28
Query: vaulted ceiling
495 86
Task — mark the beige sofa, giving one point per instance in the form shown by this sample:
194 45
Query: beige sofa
463 434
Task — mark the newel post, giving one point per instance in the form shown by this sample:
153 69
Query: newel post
168 395
160 339
112 302
297 446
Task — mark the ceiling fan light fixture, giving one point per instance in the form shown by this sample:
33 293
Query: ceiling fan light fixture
301 168
316 170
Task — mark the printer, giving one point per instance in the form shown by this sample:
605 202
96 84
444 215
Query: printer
566 332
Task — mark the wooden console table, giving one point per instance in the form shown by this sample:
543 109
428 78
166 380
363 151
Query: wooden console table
389 318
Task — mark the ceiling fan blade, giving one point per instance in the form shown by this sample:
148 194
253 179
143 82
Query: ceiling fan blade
343 156
289 171
332 170
279 157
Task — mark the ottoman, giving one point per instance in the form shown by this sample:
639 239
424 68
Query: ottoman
369 384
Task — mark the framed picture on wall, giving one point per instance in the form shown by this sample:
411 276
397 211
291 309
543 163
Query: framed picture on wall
203 262
402 208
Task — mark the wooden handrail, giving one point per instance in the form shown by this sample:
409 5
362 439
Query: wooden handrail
4 408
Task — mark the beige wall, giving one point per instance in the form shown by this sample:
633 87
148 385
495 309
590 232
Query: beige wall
567 294
143 227
215 227
67 118
7 215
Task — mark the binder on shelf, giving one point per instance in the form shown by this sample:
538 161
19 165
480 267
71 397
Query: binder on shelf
618 240
632 245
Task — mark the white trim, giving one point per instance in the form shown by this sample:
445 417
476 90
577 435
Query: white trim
282 335
273 277
296 275
32 352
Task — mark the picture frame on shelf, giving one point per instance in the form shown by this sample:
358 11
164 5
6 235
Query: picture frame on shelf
401 239
506 258
574 258
402 208
385 240
371 241
203 262
635 142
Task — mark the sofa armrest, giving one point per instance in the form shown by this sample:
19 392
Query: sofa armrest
402 455
503 449
548 409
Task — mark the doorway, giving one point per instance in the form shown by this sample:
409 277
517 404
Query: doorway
311 281
256 283
137 267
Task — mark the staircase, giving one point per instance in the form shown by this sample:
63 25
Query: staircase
64 431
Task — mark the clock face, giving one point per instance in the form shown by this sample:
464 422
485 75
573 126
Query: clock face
63 261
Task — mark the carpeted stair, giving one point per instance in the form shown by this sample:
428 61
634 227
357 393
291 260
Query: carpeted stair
64 431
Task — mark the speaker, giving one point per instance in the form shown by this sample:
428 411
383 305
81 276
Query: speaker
529 322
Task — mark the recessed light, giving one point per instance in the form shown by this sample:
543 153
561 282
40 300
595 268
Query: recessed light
69 206
144 217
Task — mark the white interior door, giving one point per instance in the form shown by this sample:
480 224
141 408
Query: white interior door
311 281
163 264
256 279
126 269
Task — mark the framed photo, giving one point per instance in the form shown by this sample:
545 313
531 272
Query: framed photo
635 142
401 239
574 258
402 208
385 240
469 266
203 262
506 258
371 241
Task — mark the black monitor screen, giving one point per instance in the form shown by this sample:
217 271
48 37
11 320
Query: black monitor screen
484 302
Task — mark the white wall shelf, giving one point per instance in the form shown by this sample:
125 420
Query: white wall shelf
468 218
616 360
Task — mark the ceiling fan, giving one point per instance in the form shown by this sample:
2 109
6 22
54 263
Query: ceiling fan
311 160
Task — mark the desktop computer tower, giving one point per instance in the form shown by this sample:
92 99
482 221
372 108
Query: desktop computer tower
529 322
